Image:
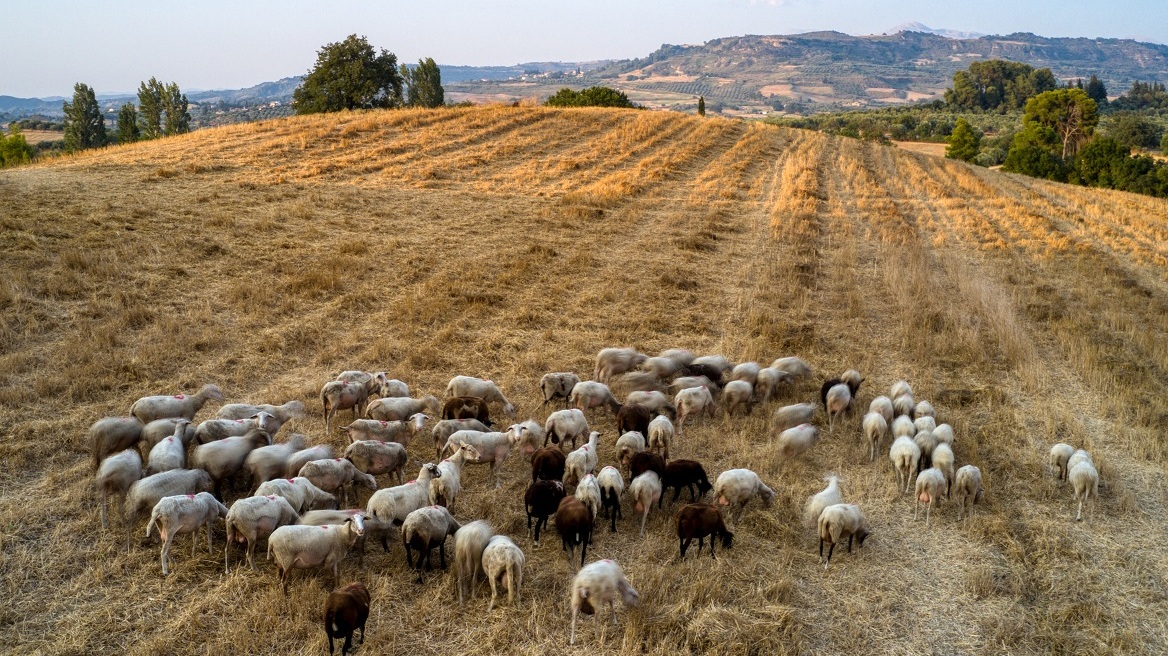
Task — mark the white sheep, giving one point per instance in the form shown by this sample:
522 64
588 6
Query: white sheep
591 394
424 529
790 416
371 381
374 529
968 486
1085 480
875 429
305 456
299 492
1077 457
217 429
557 385
113 434
302 547
689 382
252 519
628 445
149 408
268 462
588 492
581 462
883 406
662 367
337 395
224 458
797 367
596 584
927 442
840 521
185 513
904 405
612 486
389 388
738 395
169 453
943 459
852 379
836 401
645 490
393 504
900 388
719 362
736 487
902 426
905 456
396 408
115 476
767 383
615 361
447 427
376 458
944 434
493 449
526 436
145 493
660 435
693 401
924 409
563 425
284 413
746 371
402 432
684 356
503 562
815 504
655 401
469 543
930 486
485 389
1060 454
445 489
336 474
796 441
160 429
925 423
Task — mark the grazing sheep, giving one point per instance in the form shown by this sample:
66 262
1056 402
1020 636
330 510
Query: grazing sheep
718 362
837 398
1085 480
469 542
574 524
346 611
541 501
660 367
485 389
149 408
595 585
375 529
736 487
185 513
830 496
900 388
389 388
283 413
160 429
693 401
299 492
337 395
841 521
790 416
113 434
1077 457
526 437
305 456
698 520
930 486
882 405
557 385
639 381
591 394
218 429
660 435
746 372
1060 454
690 382
370 381
645 491
268 462
447 427
968 486
588 492
738 395
147 492
852 379
582 461
224 458
633 417
684 356
797 367
170 453
796 441
925 423
612 486
655 401
493 449
563 425
337 474
301 547
627 446
426 529
924 409
714 374
904 406
376 458
503 562
548 464
467 407
686 474
767 383
944 434
902 426
253 519
445 489
402 432
115 476
615 361
399 409
645 461
927 442
393 504
943 459
906 458
875 429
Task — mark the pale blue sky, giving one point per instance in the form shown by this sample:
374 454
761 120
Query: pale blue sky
113 44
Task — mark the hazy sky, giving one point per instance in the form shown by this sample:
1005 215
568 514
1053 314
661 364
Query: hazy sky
113 44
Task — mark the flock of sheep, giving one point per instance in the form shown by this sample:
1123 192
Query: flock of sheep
297 488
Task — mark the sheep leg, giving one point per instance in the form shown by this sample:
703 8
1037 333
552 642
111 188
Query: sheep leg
442 555
209 549
683 544
169 537
916 507
1079 515
104 503
575 612
830 549
821 550
850 539
644 517
712 541
494 593
928 508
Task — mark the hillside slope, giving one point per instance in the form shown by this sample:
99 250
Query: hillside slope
508 242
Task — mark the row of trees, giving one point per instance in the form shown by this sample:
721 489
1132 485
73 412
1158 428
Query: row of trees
350 74
162 110
595 97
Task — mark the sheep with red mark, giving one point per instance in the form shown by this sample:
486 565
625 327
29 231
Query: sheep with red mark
393 504
299 492
149 408
557 385
660 435
702 520
115 476
796 441
145 493
400 409
371 381
483 388
645 491
346 611
735 488
445 489
615 361
746 372
160 429
402 432
268 462
688 474
526 437
595 585
689 382
693 401
591 394
767 383
184 513
283 413
169 453
376 458
662 367
337 474
224 458
305 456
426 529
493 449
302 547
738 397
113 434
563 425
375 529
388 388
841 521
447 427
217 429
628 445
541 501
503 562
582 461
337 395
252 519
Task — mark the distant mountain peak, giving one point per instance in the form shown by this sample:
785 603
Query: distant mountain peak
914 26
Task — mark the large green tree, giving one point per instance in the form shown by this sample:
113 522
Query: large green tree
349 74
151 96
1134 130
1096 90
964 142
84 123
175 105
14 148
128 124
591 97
423 84
998 85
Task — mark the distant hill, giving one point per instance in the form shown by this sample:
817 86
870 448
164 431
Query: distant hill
921 27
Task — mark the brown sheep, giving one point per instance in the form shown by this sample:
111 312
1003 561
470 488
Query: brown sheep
633 417
646 461
548 464
466 407
541 501
574 524
697 520
685 474
345 611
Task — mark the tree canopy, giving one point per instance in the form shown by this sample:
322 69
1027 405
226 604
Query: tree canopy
150 99
964 143
423 84
1143 95
84 123
14 148
128 124
591 97
350 74
998 85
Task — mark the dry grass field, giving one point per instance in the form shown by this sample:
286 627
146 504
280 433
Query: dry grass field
508 242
